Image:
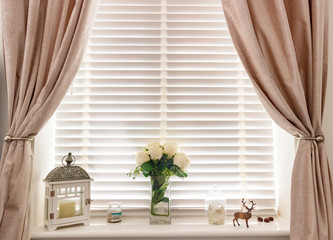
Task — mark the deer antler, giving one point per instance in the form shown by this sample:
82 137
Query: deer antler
244 202
253 203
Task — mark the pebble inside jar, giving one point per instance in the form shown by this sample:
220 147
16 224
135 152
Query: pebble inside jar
215 206
216 213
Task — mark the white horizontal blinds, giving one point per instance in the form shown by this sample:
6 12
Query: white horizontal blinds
119 86
213 111
158 69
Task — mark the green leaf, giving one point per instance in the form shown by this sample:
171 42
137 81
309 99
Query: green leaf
155 185
160 179
161 165
157 182
134 173
145 174
155 162
178 172
147 166
158 195
169 163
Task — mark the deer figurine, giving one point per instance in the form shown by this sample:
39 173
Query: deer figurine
244 215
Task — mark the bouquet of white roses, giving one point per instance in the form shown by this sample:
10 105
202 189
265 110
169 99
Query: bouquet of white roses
160 162
156 159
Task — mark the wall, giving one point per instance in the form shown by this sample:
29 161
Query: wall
42 165
284 153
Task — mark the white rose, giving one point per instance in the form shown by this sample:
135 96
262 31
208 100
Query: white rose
170 148
155 151
181 160
142 157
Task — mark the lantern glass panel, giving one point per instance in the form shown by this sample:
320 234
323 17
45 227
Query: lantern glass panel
61 192
70 207
71 200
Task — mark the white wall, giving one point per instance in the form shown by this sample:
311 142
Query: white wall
42 165
284 154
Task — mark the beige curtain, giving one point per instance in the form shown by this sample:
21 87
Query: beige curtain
44 42
283 46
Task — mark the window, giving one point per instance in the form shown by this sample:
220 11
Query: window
167 69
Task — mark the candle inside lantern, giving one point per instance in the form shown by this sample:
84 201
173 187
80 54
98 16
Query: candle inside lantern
66 209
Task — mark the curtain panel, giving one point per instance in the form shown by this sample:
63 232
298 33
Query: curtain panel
283 46
44 42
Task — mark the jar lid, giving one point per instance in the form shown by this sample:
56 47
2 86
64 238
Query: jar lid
114 203
215 191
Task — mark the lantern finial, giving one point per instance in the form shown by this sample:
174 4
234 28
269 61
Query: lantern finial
68 171
69 159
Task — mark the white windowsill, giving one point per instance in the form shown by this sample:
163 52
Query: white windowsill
180 228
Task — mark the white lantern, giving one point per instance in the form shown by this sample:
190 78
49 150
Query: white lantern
67 195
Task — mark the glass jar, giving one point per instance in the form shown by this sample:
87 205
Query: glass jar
114 212
215 206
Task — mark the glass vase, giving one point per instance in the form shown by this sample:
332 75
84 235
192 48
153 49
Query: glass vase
160 211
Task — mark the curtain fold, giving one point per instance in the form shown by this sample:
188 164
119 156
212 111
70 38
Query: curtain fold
283 46
44 43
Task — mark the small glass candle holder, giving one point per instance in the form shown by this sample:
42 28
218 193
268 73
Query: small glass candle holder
215 206
114 212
